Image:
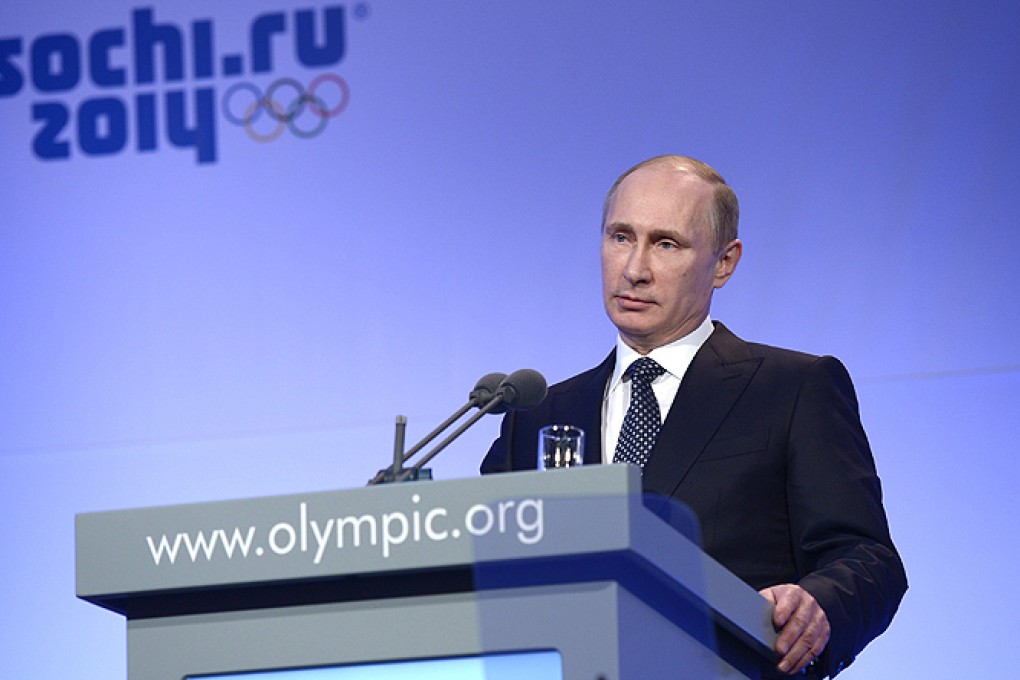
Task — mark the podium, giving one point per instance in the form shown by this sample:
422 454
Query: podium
570 570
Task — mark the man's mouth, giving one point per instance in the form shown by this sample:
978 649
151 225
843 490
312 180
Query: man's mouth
631 302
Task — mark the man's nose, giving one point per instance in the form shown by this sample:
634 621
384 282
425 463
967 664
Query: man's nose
638 269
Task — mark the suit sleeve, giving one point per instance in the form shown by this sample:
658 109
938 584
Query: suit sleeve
838 524
501 455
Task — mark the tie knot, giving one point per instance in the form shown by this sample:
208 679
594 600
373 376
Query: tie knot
645 370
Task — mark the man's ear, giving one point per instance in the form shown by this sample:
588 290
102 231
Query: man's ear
727 262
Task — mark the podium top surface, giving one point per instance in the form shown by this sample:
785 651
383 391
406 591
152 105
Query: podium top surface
416 530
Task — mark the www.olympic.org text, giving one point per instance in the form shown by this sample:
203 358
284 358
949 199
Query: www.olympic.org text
520 520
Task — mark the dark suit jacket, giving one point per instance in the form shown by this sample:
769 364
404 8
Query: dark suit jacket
766 447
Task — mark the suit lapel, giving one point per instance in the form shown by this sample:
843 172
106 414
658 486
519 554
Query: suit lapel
581 405
720 372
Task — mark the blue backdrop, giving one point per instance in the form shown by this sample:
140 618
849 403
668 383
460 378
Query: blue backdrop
199 304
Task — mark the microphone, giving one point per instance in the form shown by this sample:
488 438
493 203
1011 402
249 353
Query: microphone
520 391
482 394
485 389
523 389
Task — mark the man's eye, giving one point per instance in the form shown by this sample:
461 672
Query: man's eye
620 238
668 245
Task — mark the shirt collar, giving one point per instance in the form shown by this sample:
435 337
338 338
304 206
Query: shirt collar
674 357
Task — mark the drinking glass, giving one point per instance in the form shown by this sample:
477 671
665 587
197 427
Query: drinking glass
560 446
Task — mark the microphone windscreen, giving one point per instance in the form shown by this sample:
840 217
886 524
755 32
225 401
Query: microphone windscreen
485 390
523 389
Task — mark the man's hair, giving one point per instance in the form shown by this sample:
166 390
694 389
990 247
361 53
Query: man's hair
725 211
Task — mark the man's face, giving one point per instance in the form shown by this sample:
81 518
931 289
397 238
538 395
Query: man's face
659 262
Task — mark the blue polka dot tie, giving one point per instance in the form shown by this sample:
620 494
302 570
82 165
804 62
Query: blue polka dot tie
642 422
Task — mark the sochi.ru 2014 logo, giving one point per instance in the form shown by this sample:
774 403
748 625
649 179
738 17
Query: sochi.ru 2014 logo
182 113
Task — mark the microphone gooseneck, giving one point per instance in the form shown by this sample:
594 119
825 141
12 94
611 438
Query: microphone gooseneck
520 391
493 393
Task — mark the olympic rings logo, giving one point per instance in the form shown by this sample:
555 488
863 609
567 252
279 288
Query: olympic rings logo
284 116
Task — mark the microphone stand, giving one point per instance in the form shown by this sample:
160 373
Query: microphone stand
521 390
482 412
397 472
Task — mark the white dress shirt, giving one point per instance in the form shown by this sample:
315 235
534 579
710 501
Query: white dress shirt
674 357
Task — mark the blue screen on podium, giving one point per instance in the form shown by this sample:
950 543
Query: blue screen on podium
545 665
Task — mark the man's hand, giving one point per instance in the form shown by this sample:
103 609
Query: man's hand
804 628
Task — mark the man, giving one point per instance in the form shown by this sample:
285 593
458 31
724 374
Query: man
764 444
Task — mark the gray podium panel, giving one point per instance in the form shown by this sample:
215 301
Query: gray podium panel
571 560
584 622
